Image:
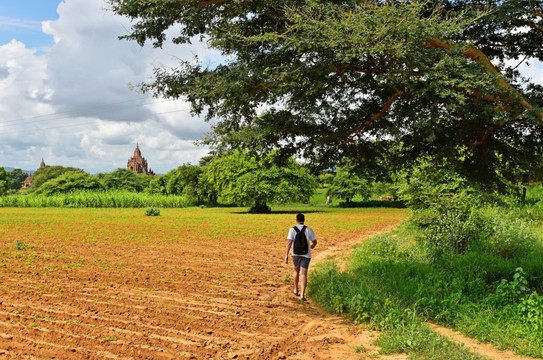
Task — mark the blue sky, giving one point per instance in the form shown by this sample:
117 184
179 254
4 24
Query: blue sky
67 91
21 20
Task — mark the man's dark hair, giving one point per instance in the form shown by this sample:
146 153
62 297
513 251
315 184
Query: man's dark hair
300 218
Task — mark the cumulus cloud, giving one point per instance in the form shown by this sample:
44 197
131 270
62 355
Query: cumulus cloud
74 105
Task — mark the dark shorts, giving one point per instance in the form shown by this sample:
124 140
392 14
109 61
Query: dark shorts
300 261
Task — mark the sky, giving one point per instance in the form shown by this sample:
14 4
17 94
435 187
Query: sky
67 91
67 94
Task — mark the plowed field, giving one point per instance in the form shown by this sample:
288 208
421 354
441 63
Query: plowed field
191 283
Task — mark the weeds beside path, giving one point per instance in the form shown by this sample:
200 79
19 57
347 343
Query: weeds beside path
415 337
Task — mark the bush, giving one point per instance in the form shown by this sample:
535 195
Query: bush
531 311
431 190
504 235
152 211
451 231
19 245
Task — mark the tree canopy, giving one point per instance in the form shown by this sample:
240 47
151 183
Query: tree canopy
124 179
4 181
68 182
16 178
246 179
346 184
327 79
42 175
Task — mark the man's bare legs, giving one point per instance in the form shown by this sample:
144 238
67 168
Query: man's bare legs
303 280
295 277
299 275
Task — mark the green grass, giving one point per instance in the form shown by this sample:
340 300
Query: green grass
96 199
394 282
128 199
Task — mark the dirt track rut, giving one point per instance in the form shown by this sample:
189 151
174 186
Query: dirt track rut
75 297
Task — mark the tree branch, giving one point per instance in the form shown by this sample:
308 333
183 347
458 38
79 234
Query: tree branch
478 56
374 118
201 4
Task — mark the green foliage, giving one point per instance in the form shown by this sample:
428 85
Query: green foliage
479 272
385 81
505 235
41 176
152 211
124 179
96 199
157 185
184 181
326 178
16 178
244 178
69 182
4 181
363 298
20 245
449 232
347 184
492 230
510 292
433 189
531 311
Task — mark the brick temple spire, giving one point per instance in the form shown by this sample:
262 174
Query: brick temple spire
138 164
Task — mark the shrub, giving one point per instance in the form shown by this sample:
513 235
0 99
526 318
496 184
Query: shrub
152 211
531 311
432 189
451 231
505 235
19 245
510 292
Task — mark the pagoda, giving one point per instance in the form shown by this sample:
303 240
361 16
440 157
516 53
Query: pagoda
138 164
28 181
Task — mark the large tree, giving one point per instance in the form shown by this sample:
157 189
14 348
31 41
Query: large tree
260 180
346 184
44 174
329 79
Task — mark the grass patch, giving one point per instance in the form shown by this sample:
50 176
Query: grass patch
482 276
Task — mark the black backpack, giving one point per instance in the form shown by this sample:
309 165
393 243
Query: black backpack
300 242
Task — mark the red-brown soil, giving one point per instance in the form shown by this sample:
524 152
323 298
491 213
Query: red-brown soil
117 285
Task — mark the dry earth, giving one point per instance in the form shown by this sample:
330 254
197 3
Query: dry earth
81 293
105 287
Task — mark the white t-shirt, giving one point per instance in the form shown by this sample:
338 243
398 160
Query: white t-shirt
309 234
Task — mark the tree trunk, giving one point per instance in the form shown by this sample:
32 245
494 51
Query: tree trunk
523 196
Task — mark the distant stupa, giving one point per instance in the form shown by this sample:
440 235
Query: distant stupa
138 164
28 181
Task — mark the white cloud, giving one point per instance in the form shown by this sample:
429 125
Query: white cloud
83 80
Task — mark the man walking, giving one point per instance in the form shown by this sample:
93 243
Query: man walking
301 253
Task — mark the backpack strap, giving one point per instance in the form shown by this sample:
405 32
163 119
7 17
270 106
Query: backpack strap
298 230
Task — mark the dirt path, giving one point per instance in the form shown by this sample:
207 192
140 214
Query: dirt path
476 347
103 285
